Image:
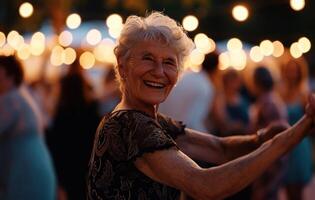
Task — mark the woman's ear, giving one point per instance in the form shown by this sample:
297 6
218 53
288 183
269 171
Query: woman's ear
121 70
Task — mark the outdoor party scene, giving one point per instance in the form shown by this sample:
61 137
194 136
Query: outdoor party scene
157 100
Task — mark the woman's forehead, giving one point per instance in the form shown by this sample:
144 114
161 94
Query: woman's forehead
155 48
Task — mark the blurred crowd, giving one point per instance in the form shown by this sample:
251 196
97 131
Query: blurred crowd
221 102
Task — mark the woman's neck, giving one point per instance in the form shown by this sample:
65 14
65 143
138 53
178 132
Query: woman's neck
128 104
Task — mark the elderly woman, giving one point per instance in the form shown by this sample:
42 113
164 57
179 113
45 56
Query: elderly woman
141 154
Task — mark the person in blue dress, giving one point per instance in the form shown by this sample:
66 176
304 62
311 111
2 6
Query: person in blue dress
26 170
294 90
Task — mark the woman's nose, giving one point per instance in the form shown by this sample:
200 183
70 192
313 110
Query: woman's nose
158 69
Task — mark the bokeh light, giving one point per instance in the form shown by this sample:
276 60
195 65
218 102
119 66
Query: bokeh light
304 44
190 23
114 21
15 40
255 54
224 61
234 44
68 56
266 47
24 52
196 57
26 10
93 37
295 50
104 52
278 49
203 43
297 5
87 60
37 45
56 56
2 39
73 21
115 32
240 13
65 38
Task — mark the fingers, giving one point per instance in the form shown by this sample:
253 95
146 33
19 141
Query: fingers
310 107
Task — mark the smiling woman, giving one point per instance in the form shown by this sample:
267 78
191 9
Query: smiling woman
140 154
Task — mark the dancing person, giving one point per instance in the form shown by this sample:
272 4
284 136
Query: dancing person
70 138
294 90
139 153
26 169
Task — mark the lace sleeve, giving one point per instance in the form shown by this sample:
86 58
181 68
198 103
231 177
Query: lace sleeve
172 127
142 134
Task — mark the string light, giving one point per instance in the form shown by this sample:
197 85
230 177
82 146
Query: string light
190 23
73 21
240 13
26 10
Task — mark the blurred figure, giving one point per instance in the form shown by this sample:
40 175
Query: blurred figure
111 93
234 105
294 90
268 109
192 97
26 170
235 109
71 135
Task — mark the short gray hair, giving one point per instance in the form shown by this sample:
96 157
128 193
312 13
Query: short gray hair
155 26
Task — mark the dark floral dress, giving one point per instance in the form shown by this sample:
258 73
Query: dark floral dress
123 136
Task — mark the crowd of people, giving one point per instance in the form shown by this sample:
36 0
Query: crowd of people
157 131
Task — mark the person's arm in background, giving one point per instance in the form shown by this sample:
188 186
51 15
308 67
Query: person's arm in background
218 150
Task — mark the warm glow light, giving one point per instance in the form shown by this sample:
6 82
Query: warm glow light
15 40
104 52
37 44
203 43
234 44
26 10
87 60
73 21
255 54
68 56
24 53
224 61
238 59
266 47
196 57
278 49
295 50
297 5
7 50
56 56
93 37
65 38
114 21
115 32
2 39
190 23
240 13
304 44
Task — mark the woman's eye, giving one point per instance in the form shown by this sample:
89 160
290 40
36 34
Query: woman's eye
148 58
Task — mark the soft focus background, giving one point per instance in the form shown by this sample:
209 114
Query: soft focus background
49 35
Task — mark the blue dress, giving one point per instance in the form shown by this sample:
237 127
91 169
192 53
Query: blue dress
299 169
26 170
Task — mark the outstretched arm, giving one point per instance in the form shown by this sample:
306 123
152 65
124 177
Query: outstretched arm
174 168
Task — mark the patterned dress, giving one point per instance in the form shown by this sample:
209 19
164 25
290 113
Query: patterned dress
121 138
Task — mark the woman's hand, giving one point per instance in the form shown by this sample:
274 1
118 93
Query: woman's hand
271 130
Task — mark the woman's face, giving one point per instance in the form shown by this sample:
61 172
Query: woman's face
150 73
